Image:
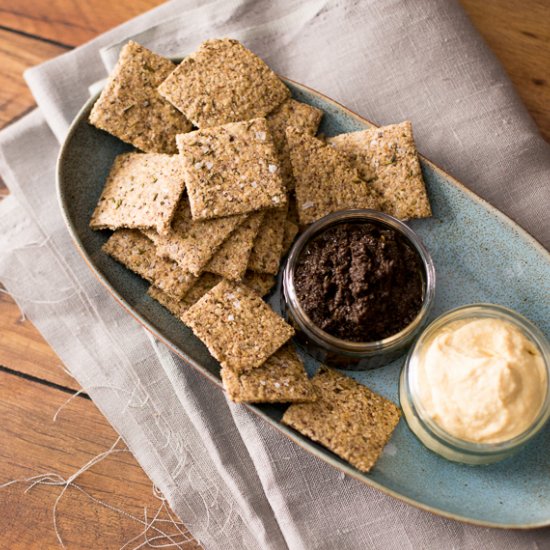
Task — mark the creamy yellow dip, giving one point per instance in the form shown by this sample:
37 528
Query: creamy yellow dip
481 380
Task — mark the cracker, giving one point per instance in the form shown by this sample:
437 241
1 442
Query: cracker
291 113
268 245
347 418
130 106
231 169
291 230
326 181
281 379
261 283
205 282
240 330
142 191
192 243
135 251
231 259
223 82
386 157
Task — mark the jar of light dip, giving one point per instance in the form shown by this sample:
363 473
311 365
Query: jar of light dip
476 385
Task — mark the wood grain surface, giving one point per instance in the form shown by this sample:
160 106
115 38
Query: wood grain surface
33 384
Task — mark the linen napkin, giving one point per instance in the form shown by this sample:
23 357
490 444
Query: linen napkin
234 481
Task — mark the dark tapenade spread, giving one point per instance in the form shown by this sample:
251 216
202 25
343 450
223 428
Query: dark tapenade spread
359 281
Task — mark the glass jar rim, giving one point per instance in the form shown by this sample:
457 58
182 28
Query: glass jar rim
366 216
473 311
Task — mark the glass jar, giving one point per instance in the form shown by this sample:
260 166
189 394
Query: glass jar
343 353
431 434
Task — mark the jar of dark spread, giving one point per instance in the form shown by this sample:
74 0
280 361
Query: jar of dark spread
358 286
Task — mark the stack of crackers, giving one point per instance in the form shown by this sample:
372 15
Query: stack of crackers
227 168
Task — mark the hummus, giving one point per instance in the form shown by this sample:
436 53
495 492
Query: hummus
481 380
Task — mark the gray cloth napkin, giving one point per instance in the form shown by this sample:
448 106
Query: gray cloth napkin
235 482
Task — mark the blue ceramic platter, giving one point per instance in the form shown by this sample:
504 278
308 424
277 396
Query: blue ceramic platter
479 255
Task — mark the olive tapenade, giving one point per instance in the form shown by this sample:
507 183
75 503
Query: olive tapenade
359 281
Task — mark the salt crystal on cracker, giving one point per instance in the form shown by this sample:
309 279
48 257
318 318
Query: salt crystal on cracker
130 106
223 82
326 181
239 179
348 418
142 191
240 330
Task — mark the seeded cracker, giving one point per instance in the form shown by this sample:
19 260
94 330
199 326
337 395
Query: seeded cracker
268 246
238 327
281 379
135 251
130 107
232 257
348 418
386 157
291 230
231 169
192 243
261 283
326 181
142 191
223 82
204 283
291 113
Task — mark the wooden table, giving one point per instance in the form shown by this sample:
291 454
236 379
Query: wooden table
33 383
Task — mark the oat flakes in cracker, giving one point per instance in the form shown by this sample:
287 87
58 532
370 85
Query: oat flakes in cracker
192 243
296 114
204 283
386 157
141 192
231 169
135 251
281 379
231 259
326 181
240 330
130 106
223 82
348 418
268 245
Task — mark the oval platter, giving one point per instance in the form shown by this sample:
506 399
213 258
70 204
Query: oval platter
480 256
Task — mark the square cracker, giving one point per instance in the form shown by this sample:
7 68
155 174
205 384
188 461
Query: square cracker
386 157
326 181
268 245
231 169
291 113
135 251
204 283
281 379
240 330
223 82
261 283
231 259
192 243
130 106
142 191
347 418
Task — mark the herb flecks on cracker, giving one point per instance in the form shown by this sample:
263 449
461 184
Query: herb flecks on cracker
130 106
240 330
326 181
281 379
386 157
223 82
142 192
192 243
231 169
296 114
348 418
135 251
